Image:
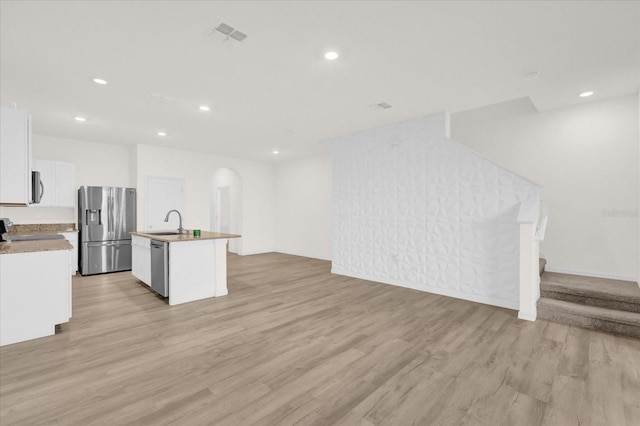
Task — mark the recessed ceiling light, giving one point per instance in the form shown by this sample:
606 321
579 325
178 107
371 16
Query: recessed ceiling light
100 81
161 133
585 94
80 119
332 56
275 151
204 108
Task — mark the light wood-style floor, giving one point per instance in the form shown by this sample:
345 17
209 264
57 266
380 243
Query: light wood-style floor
293 344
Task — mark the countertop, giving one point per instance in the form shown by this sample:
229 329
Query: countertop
42 228
37 245
205 235
32 246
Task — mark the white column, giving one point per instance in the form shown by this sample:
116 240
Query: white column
221 268
529 272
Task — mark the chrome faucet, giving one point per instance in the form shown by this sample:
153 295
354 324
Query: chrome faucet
181 230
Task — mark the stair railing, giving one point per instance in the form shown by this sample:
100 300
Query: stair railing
543 216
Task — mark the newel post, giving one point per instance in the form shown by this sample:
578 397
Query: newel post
529 259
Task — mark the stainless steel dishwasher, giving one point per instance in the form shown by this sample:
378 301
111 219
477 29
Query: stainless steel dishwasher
160 267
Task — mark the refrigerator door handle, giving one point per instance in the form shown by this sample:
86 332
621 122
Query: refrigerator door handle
110 204
105 244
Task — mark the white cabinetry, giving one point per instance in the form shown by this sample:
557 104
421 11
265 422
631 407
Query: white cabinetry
35 294
65 185
72 237
58 179
197 267
15 157
141 259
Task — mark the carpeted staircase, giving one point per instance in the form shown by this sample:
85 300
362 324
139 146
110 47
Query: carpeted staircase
612 306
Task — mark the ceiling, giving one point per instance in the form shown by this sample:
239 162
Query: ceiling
275 90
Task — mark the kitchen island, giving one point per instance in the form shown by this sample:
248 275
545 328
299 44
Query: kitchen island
197 266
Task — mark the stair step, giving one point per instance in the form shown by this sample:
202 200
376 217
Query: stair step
541 264
612 321
605 293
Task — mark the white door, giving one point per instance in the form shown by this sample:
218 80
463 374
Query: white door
163 195
223 209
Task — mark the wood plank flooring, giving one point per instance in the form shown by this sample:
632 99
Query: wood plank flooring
294 344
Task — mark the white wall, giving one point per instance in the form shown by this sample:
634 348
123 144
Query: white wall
303 200
198 169
413 208
96 164
586 158
230 179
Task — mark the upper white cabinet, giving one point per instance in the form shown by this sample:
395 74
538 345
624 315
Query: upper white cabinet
15 156
58 179
65 184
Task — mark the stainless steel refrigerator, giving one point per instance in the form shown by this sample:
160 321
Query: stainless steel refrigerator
106 215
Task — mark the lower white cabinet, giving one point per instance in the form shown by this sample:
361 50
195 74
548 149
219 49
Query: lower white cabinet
141 259
72 237
35 294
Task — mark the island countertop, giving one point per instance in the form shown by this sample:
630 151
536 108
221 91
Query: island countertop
204 235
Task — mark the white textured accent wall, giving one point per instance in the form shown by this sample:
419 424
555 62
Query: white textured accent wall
412 208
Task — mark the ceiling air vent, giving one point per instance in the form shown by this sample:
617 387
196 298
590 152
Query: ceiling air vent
228 31
237 35
224 28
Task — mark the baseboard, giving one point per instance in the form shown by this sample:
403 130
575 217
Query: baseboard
303 255
593 274
252 252
443 292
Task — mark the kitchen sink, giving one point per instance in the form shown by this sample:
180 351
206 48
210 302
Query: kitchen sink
163 233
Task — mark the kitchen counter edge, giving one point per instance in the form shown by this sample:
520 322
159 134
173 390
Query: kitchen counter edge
34 246
205 235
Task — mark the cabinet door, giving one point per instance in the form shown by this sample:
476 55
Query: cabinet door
15 157
58 179
72 237
47 171
141 259
65 184
33 299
